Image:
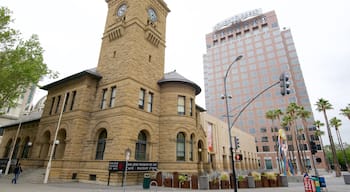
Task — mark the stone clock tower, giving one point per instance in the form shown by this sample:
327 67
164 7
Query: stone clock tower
133 43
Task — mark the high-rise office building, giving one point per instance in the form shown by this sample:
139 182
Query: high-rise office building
267 52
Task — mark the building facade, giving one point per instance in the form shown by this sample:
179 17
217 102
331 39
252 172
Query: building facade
125 109
12 114
267 52
219 156
23 103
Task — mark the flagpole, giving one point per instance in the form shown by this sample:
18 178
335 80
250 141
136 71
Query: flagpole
16 137
48 168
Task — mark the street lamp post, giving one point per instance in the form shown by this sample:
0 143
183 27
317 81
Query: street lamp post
15 142
13 148
226 97
48 167
127 157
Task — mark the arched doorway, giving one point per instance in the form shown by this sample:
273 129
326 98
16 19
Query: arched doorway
8 149
61 145
45 145
25 151
16 149
200 151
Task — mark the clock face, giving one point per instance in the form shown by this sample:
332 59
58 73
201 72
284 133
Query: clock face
152 14
121 10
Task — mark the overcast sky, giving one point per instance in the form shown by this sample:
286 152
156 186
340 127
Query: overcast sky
70 32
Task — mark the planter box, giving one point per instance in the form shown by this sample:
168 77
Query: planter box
185 184
243 184
346 179
194 182
168 182
213 184
265 181
273 182
176 180
258 183
225 184
159 179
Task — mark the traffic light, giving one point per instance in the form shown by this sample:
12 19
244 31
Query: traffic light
284 84
237 145
313 147
238 157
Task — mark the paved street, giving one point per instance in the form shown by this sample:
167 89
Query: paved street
333 185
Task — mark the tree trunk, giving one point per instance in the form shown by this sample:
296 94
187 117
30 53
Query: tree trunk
308 141
334 153
342 148
301 166
324 152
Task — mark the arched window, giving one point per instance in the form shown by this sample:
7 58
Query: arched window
8 149
191 147
15 150
180 147
200 150
45 140
101 144
25 148
141 146
61 147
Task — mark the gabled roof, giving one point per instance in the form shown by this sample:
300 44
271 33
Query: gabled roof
176 77
91 72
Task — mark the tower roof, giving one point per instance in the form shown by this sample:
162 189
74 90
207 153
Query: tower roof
176 77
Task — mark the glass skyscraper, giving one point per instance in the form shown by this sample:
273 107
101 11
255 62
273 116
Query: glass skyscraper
267 52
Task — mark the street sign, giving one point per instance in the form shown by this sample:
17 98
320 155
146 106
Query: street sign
133 166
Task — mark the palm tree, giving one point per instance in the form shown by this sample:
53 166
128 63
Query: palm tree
322 105
278 114
292 111
346 111
304 115
270 115
301 142
273 115
318 134
336 123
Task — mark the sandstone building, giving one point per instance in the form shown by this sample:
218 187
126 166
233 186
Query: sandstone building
125 104
125 108
219 149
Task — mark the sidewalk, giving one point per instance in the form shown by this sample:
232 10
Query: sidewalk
333 185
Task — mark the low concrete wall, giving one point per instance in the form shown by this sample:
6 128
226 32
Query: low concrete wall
295 179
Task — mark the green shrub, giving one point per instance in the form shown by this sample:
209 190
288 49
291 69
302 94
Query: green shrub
256 175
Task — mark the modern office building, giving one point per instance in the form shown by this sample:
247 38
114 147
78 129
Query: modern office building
23 103
12 114
267 52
